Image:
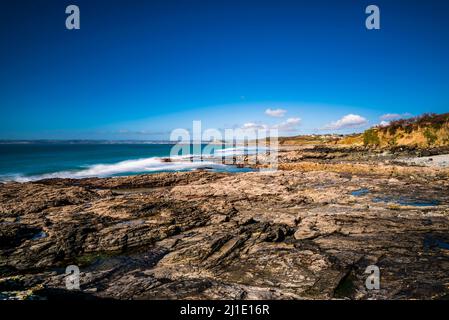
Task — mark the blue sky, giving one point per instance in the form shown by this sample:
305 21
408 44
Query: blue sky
138 69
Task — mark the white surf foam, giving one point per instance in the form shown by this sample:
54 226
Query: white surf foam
119 168
238 151
154 164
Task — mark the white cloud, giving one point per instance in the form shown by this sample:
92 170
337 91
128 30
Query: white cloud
254 126
291 124
348 121
384 123
394 116
277 113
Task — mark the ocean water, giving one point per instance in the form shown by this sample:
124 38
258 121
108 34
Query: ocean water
34 161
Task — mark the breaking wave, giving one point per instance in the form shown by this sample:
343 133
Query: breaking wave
144 165
127 167
121 168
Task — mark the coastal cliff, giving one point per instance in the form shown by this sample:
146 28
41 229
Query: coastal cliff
428 130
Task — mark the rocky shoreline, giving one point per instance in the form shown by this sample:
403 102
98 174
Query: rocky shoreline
306 231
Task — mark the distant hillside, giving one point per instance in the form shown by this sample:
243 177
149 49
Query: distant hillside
312 139
308 139
422 131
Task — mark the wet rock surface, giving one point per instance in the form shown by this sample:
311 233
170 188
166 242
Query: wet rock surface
289 234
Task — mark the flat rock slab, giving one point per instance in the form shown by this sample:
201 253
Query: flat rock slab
204 235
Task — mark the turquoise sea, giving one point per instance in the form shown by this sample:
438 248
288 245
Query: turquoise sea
33 161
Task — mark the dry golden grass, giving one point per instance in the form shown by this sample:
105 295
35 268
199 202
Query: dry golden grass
354 140
307 140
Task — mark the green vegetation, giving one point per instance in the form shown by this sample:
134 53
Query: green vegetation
89 258
393 141
429 129
408 129
430 136
370 137
435 121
